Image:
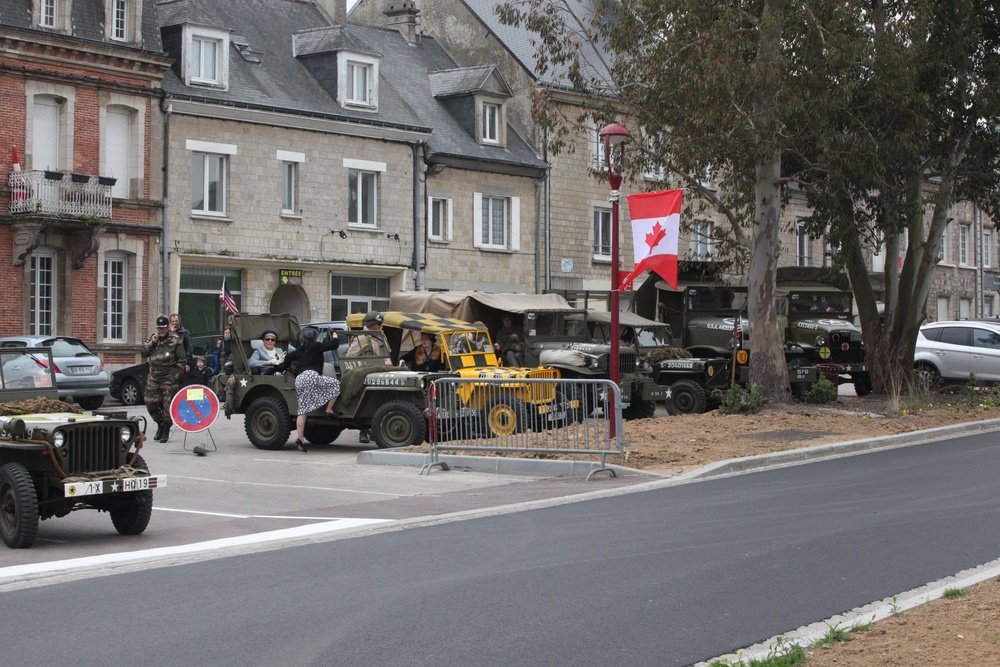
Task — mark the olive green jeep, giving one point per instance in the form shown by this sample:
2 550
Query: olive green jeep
55 459
375 395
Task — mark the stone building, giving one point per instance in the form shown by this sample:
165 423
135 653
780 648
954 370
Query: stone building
80 210
317 166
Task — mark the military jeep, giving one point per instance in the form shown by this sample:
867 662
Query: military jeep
375 395
54 460
467 352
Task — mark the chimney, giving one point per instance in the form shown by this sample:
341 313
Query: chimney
336 10
403 15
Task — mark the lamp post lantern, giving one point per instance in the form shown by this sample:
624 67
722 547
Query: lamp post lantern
614 136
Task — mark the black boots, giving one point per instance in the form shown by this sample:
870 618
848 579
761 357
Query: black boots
164 433
159 432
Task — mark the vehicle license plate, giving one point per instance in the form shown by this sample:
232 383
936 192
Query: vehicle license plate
80 370
94 488
558 415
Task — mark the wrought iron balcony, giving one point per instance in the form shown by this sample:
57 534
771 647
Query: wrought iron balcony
56 193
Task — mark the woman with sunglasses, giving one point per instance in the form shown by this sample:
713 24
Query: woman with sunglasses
269 357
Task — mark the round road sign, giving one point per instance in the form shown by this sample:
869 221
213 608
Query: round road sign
194 408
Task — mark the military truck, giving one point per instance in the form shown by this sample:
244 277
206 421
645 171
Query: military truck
374 395
816 308
55 460
712 324
554 334
467 352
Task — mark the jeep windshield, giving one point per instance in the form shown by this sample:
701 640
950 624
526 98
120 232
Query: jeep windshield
715 299
835 303
556 325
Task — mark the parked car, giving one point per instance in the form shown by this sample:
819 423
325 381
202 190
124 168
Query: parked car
80 374
951 351
128 384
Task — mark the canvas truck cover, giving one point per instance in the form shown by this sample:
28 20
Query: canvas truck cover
463 305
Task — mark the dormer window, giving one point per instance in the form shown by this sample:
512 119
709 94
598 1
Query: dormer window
47 14
358 77
206 61
491 123
119 20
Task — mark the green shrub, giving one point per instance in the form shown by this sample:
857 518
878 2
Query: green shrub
737 400
823 391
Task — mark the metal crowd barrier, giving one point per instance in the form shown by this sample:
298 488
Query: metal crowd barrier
525 415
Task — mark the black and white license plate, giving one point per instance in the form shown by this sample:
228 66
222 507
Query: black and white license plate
98 487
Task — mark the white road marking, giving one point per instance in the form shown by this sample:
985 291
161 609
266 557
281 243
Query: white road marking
253 516
63 566
287 486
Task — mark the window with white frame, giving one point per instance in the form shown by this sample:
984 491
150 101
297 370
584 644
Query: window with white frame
943 309
701 241
42 306
207 57
963 244
290 162
987 250
652 170
362 191
208 183
115 296
439 219
119 20
597 153
363 197
490 123
964 308
118 148
602 234
496 222
802 246
47 13
943 248
357 80
988 306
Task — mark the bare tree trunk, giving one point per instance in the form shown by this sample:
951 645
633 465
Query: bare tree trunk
767 361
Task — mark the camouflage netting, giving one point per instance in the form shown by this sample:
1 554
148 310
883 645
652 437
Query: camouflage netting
36 406
663 353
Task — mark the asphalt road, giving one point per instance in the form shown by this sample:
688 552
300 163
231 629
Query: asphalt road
666 576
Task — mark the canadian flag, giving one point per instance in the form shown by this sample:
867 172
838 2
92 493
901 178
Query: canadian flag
16 161
18 191
656 222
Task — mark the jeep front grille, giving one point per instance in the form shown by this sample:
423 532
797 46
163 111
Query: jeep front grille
854 354
628 361
92 448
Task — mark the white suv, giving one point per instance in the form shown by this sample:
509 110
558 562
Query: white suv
954 350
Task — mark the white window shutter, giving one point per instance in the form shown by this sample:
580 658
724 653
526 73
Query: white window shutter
515 223
117 149
45 149
477 219
430 215
447 236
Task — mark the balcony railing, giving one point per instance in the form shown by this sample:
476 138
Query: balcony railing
56 193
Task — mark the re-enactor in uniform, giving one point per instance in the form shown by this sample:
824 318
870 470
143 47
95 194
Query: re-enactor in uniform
165 352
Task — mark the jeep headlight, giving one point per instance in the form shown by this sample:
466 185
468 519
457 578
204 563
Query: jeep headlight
126 434
595 362
59 438
820 340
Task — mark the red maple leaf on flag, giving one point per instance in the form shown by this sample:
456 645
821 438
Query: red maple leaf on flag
655 236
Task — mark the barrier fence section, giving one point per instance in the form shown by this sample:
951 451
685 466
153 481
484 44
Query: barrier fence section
525 415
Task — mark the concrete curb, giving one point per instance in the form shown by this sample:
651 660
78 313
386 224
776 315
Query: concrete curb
565 467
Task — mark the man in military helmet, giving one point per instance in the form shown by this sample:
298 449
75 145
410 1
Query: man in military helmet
165 352
370 346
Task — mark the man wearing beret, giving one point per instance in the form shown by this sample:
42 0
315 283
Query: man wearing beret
165 352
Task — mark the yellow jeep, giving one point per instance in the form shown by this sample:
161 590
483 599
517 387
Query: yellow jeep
487 409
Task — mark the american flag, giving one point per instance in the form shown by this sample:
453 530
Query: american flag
226 297
738 331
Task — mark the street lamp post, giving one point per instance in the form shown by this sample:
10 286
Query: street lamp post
613 136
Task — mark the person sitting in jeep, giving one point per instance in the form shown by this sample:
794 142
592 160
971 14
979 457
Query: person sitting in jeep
370 346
